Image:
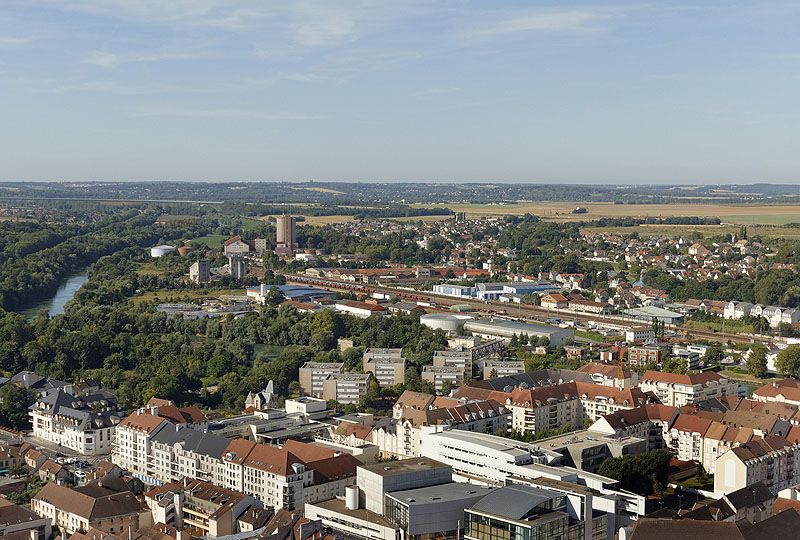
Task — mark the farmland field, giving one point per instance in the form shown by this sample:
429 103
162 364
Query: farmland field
767 231
758 214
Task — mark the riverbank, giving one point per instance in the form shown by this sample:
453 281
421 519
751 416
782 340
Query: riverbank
55 304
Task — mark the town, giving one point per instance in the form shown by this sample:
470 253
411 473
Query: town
464 376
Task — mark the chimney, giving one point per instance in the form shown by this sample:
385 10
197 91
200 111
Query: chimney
26 379
263 289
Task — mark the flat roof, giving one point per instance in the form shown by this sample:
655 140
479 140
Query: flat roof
403 466
493 442
454 491
338 506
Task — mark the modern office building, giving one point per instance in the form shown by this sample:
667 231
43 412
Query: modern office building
528 512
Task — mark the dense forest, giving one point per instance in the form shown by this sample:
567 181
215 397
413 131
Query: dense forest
214 362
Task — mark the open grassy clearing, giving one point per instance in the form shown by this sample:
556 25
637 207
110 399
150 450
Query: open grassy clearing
319 190
149 269
759 214
168 295
212 240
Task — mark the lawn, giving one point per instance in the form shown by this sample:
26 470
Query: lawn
731 326
212 241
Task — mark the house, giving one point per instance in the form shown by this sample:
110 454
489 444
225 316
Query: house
554 301
235 245
262 401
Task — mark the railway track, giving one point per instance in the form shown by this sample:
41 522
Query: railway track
494 308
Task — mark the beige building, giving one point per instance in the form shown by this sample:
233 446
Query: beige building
454 358
313 374
439 375
93 505
202 506
679 390
15 519
346 387
500 368
774 461
387 366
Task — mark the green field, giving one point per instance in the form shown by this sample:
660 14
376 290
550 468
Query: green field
168 295
213 241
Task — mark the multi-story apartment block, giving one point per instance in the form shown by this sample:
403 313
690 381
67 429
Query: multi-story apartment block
85 423
500 368
546 408
346 388
679 390
774 461
387 366
439 375
287 477
417 413
609 375
647 354
454 358
203 506
313 374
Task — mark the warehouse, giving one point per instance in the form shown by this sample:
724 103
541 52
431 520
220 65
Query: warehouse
507 329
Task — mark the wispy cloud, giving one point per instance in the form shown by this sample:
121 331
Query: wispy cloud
232 113
102 59
14 40
548 20
109 60
430 92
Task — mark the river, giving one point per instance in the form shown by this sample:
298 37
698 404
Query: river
55 304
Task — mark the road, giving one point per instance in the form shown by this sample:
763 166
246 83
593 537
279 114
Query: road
528 312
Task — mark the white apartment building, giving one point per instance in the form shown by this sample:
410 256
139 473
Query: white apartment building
679 390
85 424
313 374
773 461
287 477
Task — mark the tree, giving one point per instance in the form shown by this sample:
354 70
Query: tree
447 387
757 360
788 361
14 404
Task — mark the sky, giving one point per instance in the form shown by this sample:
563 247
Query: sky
545 92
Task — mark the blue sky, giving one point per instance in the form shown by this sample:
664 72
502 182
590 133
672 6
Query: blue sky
619 92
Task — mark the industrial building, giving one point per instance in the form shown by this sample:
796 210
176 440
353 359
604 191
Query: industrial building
507 329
